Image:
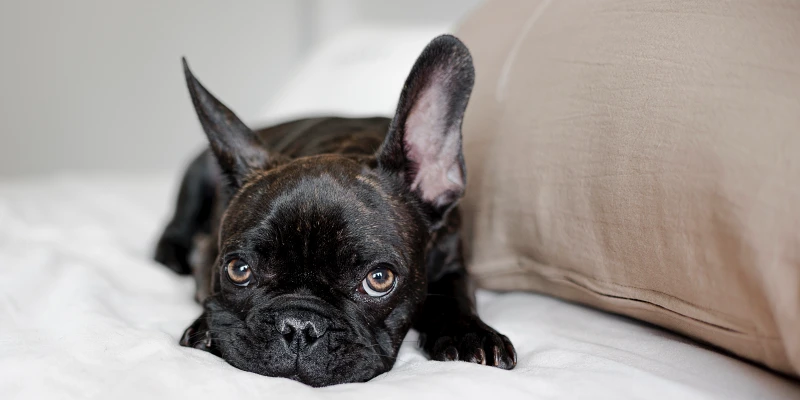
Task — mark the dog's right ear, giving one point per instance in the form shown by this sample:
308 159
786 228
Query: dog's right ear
236 147
423 145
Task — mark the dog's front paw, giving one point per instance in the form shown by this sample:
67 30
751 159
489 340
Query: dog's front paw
471 341
198 335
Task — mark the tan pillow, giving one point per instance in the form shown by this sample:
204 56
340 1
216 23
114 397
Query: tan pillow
642 158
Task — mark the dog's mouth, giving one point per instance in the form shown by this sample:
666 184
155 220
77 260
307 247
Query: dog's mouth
331 362
294 344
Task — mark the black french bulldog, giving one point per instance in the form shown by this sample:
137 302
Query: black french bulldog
317 244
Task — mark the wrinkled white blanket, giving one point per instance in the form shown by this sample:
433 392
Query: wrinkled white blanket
85 313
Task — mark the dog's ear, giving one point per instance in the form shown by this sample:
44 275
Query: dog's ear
424 140
237 148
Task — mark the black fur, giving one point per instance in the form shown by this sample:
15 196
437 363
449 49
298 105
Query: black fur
312 206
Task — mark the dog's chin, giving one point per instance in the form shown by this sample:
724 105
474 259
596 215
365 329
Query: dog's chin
341 355
331 362
315 369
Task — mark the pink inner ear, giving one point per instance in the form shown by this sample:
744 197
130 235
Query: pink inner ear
434 148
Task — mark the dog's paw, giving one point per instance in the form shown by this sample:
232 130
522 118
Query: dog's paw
471 341
198 336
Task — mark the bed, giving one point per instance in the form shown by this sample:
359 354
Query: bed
86 313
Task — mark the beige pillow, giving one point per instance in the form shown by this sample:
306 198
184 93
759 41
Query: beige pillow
642 158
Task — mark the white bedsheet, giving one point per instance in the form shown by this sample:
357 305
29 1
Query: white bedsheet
85 313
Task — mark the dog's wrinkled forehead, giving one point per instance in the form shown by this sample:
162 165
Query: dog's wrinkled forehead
318 210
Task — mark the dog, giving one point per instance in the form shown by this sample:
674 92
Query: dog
317 244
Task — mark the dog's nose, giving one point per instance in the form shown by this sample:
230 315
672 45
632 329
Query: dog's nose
301 330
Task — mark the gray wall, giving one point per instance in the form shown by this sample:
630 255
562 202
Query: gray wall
97 85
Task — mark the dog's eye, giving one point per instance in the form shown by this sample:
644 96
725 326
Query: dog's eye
379 282
238 272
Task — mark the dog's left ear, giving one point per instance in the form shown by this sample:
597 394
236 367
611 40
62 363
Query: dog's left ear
424 140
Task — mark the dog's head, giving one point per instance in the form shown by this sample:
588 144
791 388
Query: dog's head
321 265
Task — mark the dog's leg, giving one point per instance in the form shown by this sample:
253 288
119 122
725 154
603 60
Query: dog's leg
449 326
192 216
